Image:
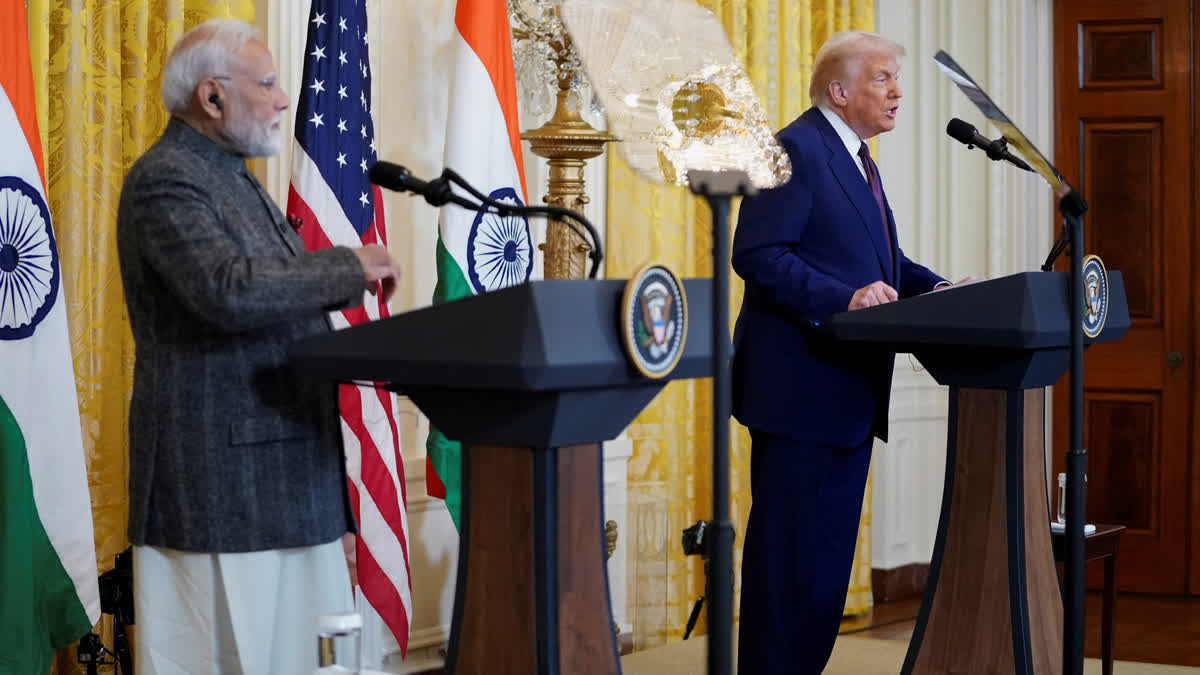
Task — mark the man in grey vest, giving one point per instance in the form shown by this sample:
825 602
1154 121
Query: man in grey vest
237 483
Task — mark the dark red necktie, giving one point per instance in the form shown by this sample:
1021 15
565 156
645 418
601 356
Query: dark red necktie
877 190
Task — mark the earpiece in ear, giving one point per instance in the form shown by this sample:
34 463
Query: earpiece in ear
215 99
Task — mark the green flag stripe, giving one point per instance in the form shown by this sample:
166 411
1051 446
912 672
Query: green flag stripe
445 455
451 283
41 612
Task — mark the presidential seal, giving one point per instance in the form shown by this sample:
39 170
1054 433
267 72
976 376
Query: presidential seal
1095 296
653 317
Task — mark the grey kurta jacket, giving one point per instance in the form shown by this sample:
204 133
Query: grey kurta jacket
230 450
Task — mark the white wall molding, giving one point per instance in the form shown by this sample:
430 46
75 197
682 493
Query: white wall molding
426 651
617 454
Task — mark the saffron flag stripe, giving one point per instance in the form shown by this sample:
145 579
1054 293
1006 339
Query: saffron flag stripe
476 21
471 137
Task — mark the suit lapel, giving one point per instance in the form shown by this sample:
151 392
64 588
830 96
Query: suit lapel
895 252
846 171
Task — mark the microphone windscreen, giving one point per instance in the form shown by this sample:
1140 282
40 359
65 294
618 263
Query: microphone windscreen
388 175
961 131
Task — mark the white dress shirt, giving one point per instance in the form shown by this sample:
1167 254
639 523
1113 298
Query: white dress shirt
847 135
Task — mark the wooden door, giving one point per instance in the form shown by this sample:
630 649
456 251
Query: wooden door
1124 138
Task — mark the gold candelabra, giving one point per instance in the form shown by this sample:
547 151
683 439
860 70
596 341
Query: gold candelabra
566 140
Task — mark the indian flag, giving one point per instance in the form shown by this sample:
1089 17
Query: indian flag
48 592
479 252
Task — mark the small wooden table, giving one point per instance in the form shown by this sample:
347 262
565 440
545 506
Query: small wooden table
1103 543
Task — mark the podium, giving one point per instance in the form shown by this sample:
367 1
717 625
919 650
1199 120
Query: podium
992 602
531 379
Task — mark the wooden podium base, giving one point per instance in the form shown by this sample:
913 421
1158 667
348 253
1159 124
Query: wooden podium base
992 604
532 594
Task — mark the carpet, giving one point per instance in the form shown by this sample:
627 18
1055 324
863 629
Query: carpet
851 656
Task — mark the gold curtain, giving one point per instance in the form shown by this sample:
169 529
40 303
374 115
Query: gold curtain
97 66
775 40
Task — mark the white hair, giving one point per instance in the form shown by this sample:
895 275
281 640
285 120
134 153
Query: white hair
204 51
839 51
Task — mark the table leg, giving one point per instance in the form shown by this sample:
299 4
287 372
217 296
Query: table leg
1106 621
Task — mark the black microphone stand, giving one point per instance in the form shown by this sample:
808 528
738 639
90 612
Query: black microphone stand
1072 206
438 192
718 188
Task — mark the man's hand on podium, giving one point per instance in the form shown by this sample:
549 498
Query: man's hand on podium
877 293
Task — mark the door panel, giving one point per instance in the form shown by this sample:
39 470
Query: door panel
1124 139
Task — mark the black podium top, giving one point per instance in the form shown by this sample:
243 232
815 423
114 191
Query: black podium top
538 336
1010 332
539 364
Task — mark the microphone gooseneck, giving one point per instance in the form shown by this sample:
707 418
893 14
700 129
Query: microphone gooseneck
438 192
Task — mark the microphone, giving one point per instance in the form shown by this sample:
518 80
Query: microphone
397 178
965 133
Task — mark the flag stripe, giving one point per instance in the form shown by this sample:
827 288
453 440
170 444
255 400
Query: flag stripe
451 282
381 593
334 205
379 477
434 487
41 612
384 541
477 22
384 598
17 79
326 216
378 233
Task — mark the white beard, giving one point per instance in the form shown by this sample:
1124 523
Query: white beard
255 140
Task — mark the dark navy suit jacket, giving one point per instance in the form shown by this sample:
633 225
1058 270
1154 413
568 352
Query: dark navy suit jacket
803 249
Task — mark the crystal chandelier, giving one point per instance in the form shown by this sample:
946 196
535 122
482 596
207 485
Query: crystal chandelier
673 91
550 75
546 60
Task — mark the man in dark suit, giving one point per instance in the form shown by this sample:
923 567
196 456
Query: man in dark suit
238 495
823 243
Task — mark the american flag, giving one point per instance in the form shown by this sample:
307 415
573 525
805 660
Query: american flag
333 204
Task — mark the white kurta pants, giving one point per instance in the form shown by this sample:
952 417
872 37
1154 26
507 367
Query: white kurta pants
234 613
